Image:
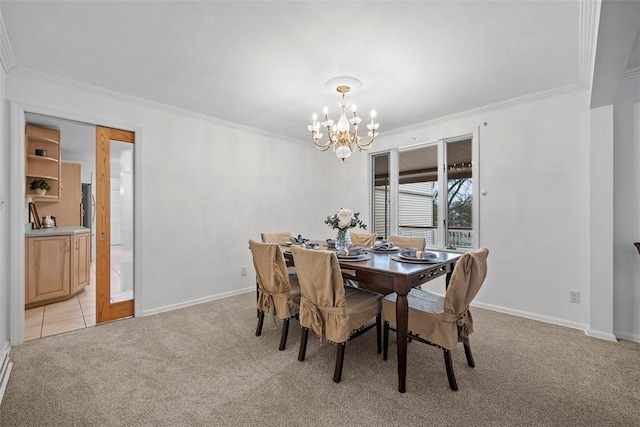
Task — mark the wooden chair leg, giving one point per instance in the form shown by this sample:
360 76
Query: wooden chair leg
337 374
379 332
385 341
449 365
303 344
260 321
467 352
285 332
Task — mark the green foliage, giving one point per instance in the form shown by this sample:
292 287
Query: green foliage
40 183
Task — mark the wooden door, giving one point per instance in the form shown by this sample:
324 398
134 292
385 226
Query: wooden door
106 309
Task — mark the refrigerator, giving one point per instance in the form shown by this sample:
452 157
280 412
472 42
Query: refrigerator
88 212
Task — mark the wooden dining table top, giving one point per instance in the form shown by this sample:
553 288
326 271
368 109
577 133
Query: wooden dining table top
385 268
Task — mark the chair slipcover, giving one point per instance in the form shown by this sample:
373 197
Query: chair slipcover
363 239
279 238
444 321
326 306
408 242
278 291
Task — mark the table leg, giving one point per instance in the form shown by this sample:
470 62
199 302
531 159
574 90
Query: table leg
402 322
447 278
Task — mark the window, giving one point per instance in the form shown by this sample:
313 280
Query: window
434 193
381 196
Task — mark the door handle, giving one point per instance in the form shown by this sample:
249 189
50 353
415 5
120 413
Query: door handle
102 236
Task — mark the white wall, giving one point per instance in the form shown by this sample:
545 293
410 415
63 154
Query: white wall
4 214
534 164
601 168
206 189
626 224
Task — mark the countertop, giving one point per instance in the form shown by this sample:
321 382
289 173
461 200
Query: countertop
57 231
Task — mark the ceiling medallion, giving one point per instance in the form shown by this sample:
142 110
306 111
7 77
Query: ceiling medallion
342 136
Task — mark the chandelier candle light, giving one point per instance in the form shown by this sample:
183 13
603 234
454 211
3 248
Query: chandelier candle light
341 136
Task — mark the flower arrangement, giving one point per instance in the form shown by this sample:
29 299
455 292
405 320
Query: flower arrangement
345 219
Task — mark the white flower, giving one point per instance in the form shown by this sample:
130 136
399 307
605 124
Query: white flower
345 216
345 219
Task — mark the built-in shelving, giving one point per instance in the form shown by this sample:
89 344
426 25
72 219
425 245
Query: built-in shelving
43 160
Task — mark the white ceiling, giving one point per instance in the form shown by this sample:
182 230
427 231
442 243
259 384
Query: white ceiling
264 64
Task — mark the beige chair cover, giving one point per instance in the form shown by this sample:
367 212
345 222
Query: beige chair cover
278 238
277 290
363 239
445 321
408 242
326 306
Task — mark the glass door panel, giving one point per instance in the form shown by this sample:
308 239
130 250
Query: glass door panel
381 196
459 194
418 193
121 221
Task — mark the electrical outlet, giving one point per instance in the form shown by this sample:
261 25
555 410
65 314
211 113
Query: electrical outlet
574 296
243 271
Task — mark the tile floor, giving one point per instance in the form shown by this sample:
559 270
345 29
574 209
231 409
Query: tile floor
77 312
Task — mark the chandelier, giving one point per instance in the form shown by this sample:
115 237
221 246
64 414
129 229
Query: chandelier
342 136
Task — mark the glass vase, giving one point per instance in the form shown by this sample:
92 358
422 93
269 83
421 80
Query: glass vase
343 240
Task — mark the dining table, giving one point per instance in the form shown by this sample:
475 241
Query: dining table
389 271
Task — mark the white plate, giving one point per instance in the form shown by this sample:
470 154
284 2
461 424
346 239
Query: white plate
412 258
382 251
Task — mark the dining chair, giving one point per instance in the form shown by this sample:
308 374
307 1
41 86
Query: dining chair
363 239
442 321
279 238
333 311
277 291
408 242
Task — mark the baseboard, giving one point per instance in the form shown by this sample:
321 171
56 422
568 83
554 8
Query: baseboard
197 301
628 337
599 334
532 316
5 368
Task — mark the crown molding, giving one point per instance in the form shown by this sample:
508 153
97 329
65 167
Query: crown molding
588 21
539 96
631 73
119 96
6 52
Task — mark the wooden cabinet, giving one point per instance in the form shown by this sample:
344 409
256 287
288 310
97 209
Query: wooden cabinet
43 160
57 267
80 262
48 265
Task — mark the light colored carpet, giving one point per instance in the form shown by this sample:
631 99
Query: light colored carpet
202 365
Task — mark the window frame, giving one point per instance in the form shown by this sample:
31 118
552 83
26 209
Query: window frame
442 183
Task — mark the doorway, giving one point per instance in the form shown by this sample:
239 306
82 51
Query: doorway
111 175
